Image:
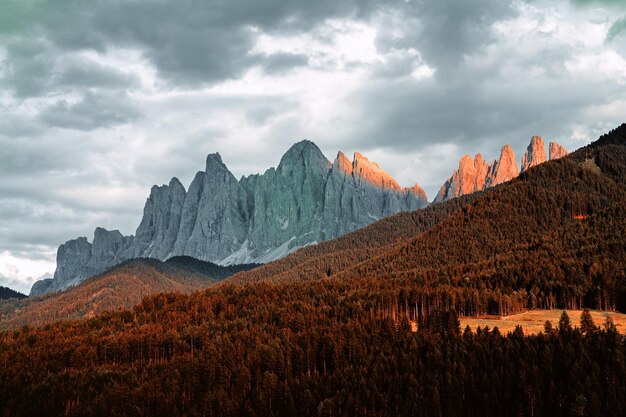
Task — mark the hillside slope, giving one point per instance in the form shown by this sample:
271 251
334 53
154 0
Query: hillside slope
121 287
552 237
327 258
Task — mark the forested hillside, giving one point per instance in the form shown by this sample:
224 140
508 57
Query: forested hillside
326 347
120 287
551 238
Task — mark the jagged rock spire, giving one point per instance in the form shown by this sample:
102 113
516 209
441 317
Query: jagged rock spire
259 218
557 151
468 178
504 169
371 172
535 153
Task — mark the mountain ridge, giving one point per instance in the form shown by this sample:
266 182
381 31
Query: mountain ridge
304 200
476 175
262 217
396 237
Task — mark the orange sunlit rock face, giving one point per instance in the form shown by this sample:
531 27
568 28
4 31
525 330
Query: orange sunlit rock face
535 153
557 151
417 191
468 178
504 169
370 171
475 175
342 163
362 169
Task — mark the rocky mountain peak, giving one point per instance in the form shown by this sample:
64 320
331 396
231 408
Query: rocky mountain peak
175 183
535 153
305 154
342 163
504 169
256 219
102 233
214 163
466 162
371 172
557 151
468 178
418 193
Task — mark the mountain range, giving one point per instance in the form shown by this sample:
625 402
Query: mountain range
474 174
305 200
328 330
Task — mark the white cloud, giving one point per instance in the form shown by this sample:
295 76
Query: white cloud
19 273
604 66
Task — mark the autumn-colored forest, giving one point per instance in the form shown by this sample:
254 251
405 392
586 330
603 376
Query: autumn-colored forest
326 331
322 347
123 286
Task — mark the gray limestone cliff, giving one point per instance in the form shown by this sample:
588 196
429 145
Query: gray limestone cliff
304 200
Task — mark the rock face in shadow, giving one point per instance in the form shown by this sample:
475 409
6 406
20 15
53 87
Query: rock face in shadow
304 200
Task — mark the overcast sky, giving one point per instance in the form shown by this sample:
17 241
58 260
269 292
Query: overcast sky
99 100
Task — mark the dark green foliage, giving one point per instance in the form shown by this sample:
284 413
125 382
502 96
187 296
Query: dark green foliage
8 293
444 323
214 271
609 326
547 327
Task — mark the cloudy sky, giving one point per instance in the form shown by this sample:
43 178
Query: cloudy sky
101 99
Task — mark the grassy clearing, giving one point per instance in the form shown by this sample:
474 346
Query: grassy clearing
532 321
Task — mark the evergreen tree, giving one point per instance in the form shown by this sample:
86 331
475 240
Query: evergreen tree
587 326
609 326
547 327
565 325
